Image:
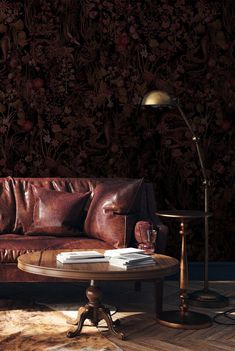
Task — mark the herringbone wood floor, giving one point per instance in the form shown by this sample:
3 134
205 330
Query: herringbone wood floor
135 310
143 333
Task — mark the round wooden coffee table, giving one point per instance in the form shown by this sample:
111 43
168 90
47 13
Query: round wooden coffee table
45 263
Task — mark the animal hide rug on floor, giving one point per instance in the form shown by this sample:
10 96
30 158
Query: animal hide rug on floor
36 327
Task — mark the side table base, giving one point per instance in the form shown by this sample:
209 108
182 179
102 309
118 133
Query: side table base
185 320
208 299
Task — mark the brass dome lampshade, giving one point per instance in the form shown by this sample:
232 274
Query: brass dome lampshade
158 98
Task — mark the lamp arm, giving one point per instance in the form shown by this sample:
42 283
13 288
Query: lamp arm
198 147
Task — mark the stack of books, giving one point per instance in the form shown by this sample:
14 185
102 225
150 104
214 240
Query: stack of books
123 251
132 260
81 257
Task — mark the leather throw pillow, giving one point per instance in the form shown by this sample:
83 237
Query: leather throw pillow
111 200
57 212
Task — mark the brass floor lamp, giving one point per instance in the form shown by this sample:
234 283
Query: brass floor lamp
206 297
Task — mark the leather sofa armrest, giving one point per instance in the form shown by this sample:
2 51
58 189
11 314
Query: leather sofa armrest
162 234
162 238
140 233
156 220
127 221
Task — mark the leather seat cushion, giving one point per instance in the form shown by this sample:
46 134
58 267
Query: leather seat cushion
14 245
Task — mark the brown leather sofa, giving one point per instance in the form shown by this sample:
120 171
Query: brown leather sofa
67 213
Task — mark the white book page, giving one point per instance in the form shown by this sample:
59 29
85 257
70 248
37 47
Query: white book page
126 250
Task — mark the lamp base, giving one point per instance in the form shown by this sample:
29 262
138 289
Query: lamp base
185 320
208 299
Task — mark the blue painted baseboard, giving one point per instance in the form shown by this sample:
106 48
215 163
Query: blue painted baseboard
220 271
216 270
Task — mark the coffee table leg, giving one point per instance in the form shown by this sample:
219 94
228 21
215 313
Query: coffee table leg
105 314
79 321
75 321
95 312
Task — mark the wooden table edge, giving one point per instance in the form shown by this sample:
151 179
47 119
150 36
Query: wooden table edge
117 274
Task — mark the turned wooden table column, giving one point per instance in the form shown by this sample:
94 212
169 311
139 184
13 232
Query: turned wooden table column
183 318
95 311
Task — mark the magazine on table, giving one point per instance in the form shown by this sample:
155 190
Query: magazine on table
81 254
128 266
81 257
132 258
123 251
82 260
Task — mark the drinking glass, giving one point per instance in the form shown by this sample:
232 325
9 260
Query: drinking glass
149 245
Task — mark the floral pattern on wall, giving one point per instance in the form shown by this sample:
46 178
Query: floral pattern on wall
72 76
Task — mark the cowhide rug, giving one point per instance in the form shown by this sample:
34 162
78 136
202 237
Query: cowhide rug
38 328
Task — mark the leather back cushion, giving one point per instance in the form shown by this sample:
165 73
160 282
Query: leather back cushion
110 200
57 212
25 197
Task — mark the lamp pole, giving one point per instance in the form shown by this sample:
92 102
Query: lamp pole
205 297
206 184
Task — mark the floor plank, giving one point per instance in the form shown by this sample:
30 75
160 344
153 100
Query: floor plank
144 333
136 312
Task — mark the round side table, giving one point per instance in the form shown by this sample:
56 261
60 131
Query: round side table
183 318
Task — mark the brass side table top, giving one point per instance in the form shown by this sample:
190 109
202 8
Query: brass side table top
184 214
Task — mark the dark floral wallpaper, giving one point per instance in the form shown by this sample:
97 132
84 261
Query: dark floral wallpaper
72 76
